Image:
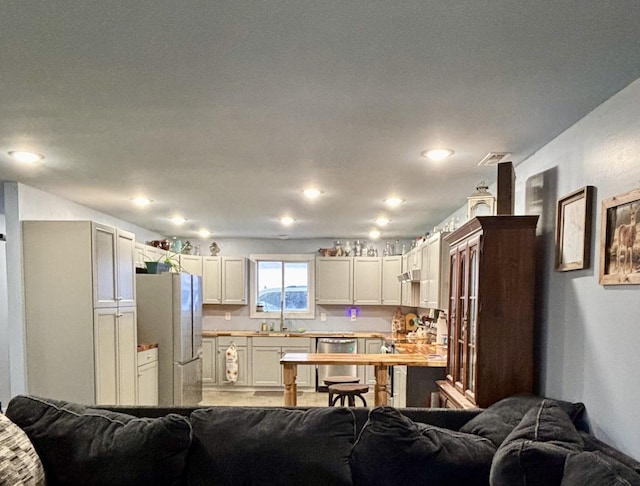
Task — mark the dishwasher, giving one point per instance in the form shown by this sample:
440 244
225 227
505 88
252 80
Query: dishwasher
335 345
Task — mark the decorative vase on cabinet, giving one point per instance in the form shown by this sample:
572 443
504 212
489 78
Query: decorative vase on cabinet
491 314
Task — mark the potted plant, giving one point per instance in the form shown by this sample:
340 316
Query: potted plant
166 263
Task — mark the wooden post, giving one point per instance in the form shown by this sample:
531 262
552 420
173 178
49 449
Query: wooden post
506 189
290 371
382 376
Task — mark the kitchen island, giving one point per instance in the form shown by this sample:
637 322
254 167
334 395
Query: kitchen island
380 362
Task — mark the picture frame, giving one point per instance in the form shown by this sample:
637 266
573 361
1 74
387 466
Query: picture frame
620 240
573 230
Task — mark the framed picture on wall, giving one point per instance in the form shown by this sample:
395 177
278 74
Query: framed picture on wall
573 230
620 240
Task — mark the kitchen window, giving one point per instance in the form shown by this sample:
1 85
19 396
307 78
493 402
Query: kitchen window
270 275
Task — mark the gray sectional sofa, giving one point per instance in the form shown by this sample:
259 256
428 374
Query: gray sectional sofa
522 440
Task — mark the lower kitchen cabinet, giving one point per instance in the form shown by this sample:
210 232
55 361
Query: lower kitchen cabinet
148 377
209 361
266 352
115 356
399 386
368 346
243 369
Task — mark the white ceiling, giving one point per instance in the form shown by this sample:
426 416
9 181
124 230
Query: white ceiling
224 110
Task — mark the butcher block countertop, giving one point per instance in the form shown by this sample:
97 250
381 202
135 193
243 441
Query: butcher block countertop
362 359
145 347
309 334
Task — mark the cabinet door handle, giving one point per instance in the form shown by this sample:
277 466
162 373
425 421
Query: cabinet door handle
119 315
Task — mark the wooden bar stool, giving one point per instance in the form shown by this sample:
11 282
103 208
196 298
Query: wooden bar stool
338 380
349 391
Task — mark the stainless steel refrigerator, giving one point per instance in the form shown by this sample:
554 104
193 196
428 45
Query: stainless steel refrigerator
169 309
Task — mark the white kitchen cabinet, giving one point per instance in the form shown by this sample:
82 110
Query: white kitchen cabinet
265 360
211 280
140 255
391 287
399 386
224 280
234 280
367 280
115 356
113 266
148 377
191 264
368 346
334 280
209 361
434 284
244 375
80 312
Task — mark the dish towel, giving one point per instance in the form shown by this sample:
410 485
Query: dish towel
232 363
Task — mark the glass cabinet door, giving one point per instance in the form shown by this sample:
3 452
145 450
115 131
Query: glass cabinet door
453 314
461 331
472 318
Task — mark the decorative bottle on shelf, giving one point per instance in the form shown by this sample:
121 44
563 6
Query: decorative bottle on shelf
347 248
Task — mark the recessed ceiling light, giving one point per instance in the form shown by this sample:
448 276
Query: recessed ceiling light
437 154
141 201
178 220
204 233
312 193
393 201
287 220
382 221
26 157
374 234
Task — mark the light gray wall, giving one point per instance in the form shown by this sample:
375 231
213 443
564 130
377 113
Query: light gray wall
588 334
5 385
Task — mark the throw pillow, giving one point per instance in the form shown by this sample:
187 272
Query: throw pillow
19 462
84 446
258 446
394 450
499 419
535 451
596 469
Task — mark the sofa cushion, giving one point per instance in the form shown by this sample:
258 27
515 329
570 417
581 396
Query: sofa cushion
596 469
84 446
392 449
258 446
499 419
19 462
534 452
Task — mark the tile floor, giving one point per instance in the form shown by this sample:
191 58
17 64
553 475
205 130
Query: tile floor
269 398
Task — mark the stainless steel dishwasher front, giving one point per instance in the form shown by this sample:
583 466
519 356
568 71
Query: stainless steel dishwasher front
336 345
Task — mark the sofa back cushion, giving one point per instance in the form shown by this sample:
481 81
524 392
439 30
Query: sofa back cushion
534 453
499 419
394 450
596 469
274 446
19 462
79 445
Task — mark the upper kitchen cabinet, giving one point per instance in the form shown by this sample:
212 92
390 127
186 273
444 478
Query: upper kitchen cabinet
391 287
224 280
211 280
491 328
434 276
191 264
334 280
114 257
234 280
80 317
367 280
